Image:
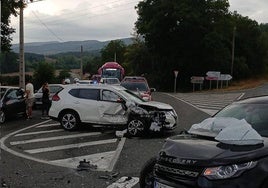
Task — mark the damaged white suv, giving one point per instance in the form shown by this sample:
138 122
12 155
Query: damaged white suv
110 106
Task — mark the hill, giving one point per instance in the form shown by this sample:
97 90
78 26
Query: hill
54 47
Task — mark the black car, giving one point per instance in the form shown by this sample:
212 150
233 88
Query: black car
228 150
12 102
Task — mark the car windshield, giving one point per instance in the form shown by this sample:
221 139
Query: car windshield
2 92
254 114
112 81
135 86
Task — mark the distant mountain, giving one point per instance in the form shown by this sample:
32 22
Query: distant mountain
54 47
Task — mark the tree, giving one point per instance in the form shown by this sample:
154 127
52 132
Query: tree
44 72
195 36
8 8
114 51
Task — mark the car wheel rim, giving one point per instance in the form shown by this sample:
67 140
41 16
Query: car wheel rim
2 117
135 127
68 121
149 180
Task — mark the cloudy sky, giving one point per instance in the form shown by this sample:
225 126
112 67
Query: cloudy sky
71 20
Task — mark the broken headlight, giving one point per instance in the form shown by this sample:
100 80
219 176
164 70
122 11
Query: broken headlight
229 171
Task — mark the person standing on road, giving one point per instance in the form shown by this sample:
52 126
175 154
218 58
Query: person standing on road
29 90
45 101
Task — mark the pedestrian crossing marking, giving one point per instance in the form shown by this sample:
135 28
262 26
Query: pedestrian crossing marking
39 132
69 146
53 138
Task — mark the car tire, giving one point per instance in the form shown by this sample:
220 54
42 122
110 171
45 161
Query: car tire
69 120
146 174
2 117
136 127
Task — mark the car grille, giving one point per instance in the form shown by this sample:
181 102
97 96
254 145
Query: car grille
176 172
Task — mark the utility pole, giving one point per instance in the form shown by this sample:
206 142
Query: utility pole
81 64
233 48
0 28
21 35
22 63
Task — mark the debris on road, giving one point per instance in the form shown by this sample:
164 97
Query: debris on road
124 182
85 165
121 134
110 176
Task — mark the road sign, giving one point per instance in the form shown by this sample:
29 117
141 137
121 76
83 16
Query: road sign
197 79
213 74
176 73
225 77
211 78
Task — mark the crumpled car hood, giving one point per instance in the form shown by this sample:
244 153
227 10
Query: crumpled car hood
159 105
205 151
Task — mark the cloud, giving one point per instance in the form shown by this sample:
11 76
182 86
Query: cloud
51 20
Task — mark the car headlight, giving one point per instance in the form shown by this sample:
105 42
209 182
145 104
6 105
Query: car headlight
230 171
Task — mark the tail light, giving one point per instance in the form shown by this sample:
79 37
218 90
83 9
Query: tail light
55 97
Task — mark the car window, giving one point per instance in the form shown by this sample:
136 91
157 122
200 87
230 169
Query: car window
12 94
93 94
109 96
54 89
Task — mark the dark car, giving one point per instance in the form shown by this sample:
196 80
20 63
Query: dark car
229 149
139 86
12 102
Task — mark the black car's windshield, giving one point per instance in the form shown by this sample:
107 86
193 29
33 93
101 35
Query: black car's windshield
254 114
2 92
134 86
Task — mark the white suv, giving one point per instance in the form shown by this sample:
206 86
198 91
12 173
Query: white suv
112 106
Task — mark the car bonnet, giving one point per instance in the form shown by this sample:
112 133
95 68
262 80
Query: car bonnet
203 152
159 105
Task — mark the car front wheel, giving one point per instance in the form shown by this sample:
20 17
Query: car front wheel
69 120
2 117
147 175
136 127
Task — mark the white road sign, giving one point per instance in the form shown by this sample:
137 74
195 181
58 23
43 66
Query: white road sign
225 77
213 74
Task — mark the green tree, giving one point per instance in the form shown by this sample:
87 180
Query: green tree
45 72
195 36
114 51
65 73
8 8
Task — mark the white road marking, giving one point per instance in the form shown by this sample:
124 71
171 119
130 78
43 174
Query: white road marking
125 182
53 138
39 132
105 161
78 145
48 125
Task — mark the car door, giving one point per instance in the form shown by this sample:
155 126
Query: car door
110 108
86 104
14 102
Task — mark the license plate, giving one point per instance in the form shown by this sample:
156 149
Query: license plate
160 185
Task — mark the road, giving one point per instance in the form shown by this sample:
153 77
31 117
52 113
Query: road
35 153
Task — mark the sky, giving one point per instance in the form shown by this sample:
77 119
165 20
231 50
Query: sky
79 20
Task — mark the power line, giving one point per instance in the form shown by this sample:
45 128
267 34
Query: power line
83 14
47 27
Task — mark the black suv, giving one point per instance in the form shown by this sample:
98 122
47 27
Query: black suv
203 157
